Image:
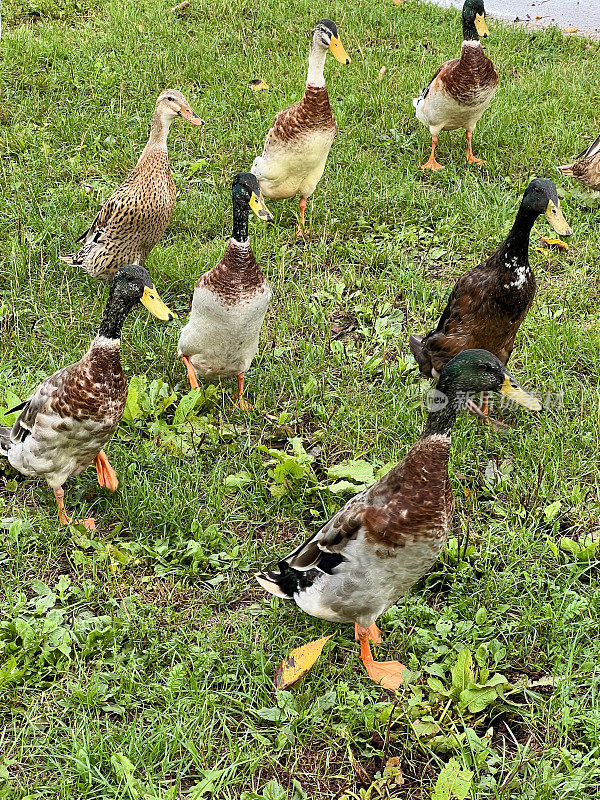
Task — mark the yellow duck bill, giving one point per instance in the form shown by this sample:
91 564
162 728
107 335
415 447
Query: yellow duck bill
481 26
511 389
257 204
337 50
556 218
155 305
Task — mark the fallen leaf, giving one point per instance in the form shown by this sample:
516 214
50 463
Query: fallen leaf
381 74
556 244
258 85
297 663
398 2
570 30
180 7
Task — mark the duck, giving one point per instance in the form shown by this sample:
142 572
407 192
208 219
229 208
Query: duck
461 89
229 302
64 425
136 215
586 167
298 143
387 537
489 302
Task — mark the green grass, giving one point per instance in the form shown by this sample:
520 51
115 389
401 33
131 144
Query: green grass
137 662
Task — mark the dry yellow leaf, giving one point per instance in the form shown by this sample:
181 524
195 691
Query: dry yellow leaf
570 30
297 663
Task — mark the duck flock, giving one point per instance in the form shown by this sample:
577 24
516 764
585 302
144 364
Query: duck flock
388 536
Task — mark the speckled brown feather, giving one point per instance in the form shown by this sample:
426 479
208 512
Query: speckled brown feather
412 502
93 388
467 78
132 220
236 277
587 171
312 113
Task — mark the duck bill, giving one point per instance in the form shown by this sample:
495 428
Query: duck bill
555 217
191 117
337 50
481 26
511 389
155 305
257 204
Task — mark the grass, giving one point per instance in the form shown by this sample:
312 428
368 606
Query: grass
137 662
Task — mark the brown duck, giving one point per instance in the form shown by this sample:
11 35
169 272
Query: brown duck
136 215
586 167
462 89
489 303
389 536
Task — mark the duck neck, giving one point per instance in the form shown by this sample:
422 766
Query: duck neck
470 35
159 131
241 212
447 405
316 66
515 247
114 317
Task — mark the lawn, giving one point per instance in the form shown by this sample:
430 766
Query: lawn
137 662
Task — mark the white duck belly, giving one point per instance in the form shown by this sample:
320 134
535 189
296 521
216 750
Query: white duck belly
286 169
221 340
441 112
59 447
365 585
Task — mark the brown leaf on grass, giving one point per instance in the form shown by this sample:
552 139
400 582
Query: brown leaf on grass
297 663
179 8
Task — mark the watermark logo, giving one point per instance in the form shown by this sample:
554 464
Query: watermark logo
435 401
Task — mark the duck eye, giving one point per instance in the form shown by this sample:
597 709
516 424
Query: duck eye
172 99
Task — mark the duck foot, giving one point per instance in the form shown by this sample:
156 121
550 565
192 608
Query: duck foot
470 157
372 630
482 413
386 673
240 403
191 373
432 163
65 519
107 477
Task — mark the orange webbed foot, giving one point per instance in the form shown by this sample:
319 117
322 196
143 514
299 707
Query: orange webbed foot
107 477
386 673
432 164
191 373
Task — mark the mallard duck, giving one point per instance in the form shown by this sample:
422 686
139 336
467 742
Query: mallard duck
230 301
387 537
136 215
70 417
462 89
297 146
488 304
586 167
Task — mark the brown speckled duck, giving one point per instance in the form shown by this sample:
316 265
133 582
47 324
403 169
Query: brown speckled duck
488 304
297 146
462 89
388 537
586 167
230 301
72 414
136 215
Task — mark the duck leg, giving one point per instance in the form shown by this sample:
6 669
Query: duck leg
300 226
64 518
470 157
386 673
432 163
107 477
240 403
483 414
191 373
